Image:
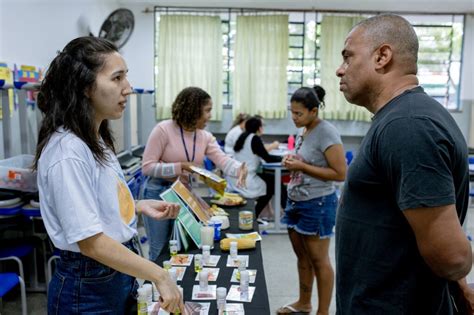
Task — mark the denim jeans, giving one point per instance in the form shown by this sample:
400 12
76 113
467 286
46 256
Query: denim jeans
158 231
316 216
81 285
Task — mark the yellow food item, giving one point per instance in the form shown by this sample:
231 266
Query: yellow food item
218 211
228 199
242 243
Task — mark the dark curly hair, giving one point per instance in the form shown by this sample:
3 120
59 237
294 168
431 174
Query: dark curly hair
187 107
62 97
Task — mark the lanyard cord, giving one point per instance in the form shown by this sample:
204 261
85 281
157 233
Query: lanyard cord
184 144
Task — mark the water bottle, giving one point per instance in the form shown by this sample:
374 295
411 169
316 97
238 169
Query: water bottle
203 280
233 250
221 296
244 285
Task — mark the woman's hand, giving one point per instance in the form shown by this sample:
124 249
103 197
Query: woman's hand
158 210
187 166
241 182
292 163
170 296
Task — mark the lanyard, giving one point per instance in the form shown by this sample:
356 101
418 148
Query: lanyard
184 144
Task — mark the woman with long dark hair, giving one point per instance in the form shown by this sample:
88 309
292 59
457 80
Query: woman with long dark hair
87 208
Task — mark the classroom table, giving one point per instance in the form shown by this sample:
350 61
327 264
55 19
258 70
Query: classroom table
259 304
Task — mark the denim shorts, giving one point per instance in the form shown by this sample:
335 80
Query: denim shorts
81 285
312 217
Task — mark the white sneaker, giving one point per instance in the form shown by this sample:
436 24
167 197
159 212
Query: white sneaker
262 222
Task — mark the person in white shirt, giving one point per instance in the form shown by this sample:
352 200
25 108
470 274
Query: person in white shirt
86 205
238 126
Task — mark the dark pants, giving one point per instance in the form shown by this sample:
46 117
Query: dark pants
262 201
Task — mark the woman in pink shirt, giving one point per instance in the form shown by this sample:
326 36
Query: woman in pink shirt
173 147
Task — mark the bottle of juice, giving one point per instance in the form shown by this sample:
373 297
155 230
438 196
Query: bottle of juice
291 142
142 307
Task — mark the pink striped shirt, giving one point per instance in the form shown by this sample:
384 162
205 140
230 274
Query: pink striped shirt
164 152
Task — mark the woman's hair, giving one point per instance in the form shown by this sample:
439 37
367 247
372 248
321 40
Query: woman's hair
251 126
187 107
321 93
62 95
240 119
306 96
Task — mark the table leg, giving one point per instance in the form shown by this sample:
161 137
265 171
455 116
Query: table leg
276 206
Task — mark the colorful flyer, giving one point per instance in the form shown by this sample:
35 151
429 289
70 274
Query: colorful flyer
197 308
235 262
192 201
181 260
252 275
209 294
235 294
252 235
234 309
213 273
185 217
213 260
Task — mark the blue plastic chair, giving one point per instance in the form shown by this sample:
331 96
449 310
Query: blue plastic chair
49 272
10 280
208 164
15 253
349 156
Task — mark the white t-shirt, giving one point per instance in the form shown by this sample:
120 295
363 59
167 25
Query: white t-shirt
79 197
231 139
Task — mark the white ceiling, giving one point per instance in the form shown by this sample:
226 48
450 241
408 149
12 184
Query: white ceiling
428 6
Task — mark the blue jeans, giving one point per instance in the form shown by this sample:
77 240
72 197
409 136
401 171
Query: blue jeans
316 216
81 285
158 231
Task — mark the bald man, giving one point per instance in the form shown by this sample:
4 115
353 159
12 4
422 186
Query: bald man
399 240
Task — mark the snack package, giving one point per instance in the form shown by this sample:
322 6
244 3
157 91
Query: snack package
210 179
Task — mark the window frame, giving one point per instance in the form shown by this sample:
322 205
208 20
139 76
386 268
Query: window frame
228 18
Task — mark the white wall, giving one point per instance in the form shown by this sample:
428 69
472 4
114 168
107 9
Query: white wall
32 31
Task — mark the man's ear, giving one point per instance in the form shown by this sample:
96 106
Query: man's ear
383 56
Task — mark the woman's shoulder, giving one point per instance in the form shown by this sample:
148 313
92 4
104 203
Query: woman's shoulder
235 130
207 135
165 126
65 144
168 123
328 127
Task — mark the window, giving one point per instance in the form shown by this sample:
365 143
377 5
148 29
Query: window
439 56
439 59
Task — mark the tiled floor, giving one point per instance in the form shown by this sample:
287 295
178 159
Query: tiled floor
280 272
